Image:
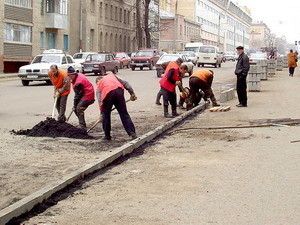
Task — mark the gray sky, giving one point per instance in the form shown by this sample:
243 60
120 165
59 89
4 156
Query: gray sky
282 16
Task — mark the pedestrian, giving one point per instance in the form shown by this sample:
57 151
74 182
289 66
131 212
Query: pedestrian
241 71
201 80
292 61
166 67
62 87
168 83
111 93
84 94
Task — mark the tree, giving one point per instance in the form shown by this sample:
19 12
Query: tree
146 24
139 30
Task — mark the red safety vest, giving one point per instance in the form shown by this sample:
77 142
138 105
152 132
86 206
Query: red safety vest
88 89
167 84
108 84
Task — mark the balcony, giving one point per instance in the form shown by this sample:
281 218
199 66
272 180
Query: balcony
56 21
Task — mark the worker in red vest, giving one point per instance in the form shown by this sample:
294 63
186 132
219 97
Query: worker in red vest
168 83
84 94
110 92
62 87
201 80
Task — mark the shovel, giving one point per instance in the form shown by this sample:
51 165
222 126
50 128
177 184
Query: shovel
54 106
100 120
70 115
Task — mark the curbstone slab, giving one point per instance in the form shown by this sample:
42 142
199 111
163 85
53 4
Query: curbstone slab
27 203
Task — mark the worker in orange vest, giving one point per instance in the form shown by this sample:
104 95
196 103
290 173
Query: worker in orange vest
62 84
168 83
110 92
201 80
166 67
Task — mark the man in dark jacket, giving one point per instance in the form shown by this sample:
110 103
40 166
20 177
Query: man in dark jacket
241 71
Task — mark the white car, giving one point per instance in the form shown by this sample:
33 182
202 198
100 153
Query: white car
80 57
254 57
38 69
173 57
209 55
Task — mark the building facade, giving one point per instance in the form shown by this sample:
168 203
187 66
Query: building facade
260 36
176 31
29 27
224 24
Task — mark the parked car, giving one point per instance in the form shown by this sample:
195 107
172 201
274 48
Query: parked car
123 58
230 56
144 58
38 69
100 64
190 55
173 57
81 56
209 55
254 57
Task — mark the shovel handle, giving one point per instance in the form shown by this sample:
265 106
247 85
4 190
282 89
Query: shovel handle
53 110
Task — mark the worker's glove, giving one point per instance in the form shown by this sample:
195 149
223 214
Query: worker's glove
56 94
133 97
178 83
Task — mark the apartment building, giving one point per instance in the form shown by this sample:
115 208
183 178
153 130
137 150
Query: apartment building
260 36
29 27
224 23
176 31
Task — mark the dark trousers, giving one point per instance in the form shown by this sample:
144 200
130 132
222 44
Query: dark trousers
241 88
61 108
292 70
116 98
169 97
79 111
195 85
158 96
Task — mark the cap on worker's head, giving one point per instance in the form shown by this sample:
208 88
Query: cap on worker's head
71 70
240 48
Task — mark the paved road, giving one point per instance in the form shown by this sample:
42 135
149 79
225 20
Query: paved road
22 107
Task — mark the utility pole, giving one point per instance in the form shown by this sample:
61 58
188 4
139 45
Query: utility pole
219 30
234 36
175 25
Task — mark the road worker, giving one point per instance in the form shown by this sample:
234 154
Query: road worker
84 94
62 86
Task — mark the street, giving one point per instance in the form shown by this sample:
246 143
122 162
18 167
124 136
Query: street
28 163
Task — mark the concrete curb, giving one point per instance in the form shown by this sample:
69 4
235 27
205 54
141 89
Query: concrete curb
8 76
227 95
27 203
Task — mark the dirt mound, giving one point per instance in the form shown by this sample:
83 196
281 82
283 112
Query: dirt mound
52 128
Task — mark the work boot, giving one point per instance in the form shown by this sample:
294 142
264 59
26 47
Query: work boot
107 138
175 114
166 113
133 136
157 103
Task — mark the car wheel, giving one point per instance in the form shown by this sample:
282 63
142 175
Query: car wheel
199 64
115 70
220 64
102 71
96 73
202 65
48 82
25 82
141 68
216 65
133 68
121 65
151 67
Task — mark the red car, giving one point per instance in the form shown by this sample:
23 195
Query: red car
123 58
100 63
145 58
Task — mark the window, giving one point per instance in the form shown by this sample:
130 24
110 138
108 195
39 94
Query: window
92 6
121 15
134 19
57 6
64 60
111 12
51 40
21 3
116 14
66 42
42 7
69 60
125 16
106 11
17 33
91 39
42 40
100 9
128 17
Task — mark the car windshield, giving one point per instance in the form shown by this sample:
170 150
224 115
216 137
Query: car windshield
78 56
144 53
118 55
167 58
193 49
46 59
189 53
259 56
205 49
96 58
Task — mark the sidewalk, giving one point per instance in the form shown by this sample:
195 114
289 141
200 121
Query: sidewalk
237 176
8 75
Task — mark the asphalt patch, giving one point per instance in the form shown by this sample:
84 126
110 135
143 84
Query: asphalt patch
52 128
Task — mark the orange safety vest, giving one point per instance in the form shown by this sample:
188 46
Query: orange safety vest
107 84
171 65
202 75
58 81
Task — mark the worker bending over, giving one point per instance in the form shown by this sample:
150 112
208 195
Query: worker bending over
168 83
84 94
62 86
110 92
201 80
